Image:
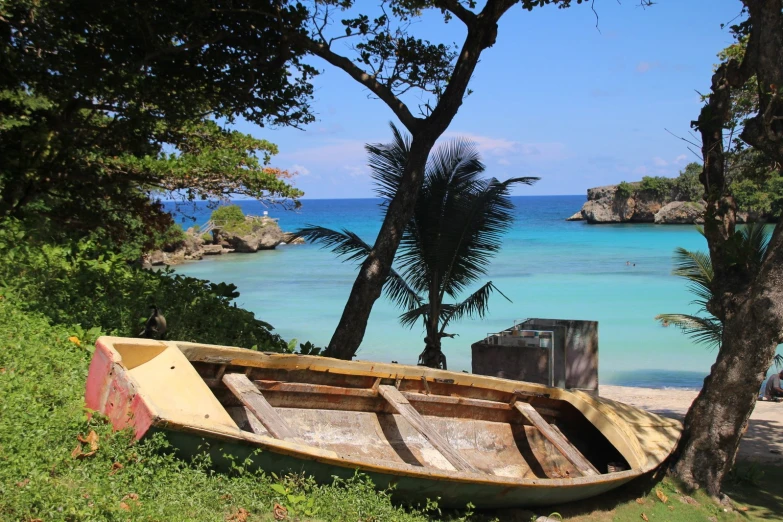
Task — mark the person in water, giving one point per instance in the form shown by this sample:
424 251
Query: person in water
773 389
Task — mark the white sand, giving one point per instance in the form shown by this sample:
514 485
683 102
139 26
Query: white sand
763 441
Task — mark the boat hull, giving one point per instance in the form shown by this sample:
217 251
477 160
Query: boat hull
139 384
405 489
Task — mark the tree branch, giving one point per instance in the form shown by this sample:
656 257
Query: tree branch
381 91
467 16
481 34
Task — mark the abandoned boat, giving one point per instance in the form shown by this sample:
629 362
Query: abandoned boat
430 433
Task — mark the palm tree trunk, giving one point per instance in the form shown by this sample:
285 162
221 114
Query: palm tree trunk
374 271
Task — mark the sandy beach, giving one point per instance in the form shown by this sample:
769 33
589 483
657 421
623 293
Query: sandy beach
762 442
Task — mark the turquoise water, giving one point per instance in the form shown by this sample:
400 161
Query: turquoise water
548 267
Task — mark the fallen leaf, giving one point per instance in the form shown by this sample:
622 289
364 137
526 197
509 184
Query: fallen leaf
640 501
240 516
2 370
76 451
91 438
85 455
75 340
644 517
115 468
124 506
281 513
661 496
130 496
227 496
743 508
23 483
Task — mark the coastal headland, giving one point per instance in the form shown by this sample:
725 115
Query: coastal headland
634 203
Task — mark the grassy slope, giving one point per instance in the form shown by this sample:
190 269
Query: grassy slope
42 375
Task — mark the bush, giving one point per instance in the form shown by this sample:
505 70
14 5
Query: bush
624 190
228 215
659 186
74 285
687 184
171 238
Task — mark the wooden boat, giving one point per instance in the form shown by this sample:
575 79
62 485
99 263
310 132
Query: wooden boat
430 433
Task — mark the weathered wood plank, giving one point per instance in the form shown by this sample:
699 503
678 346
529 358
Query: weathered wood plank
409 413
554 436
248 394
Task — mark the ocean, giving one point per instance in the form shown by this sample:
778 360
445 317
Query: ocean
618 275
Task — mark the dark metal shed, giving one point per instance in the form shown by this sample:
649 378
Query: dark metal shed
556 352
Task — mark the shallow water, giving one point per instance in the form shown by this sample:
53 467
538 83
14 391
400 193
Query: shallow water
548 267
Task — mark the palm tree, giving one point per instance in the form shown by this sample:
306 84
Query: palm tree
456 228
747 249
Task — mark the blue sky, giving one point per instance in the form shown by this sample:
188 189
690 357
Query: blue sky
553 98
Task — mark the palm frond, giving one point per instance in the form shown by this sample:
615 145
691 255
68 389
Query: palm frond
778 360
400 292
475 305
477 233
696 267
343 243
703 330
412 316
752 245
387 163
351 247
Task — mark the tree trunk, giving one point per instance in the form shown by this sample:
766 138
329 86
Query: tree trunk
717 419
375 269
748 301
482 33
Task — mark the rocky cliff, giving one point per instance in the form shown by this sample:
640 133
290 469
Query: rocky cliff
633 205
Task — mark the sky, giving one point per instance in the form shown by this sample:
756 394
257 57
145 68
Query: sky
555 97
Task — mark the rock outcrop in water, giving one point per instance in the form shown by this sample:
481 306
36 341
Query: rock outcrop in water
257 234
631 204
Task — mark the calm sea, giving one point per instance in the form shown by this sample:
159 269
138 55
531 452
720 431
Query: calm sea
548 267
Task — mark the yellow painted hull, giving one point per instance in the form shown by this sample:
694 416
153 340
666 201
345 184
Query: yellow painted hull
341 424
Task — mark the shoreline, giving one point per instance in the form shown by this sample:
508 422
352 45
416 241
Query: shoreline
763 442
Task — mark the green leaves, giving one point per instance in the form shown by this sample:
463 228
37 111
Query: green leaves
104 105
103 293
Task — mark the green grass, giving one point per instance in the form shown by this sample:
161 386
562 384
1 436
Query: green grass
43 369
42 376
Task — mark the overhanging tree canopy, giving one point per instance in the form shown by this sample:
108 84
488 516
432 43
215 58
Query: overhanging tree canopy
103 102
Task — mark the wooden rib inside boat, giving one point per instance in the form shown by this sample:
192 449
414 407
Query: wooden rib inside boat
430 433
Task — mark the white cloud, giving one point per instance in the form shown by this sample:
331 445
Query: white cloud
332 151
355 171
508 152
485 144
660 162
682 158
300 169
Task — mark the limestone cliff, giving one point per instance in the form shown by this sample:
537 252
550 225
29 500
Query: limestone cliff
609 204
